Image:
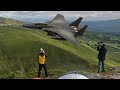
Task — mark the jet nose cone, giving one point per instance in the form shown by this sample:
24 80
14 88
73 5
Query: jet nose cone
26 25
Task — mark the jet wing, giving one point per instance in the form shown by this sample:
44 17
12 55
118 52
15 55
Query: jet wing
66 34
59 19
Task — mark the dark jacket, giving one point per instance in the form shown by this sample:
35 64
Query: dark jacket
102 53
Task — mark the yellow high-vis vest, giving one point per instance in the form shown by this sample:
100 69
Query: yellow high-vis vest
42 59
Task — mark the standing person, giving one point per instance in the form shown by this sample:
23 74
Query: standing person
101 56
42 63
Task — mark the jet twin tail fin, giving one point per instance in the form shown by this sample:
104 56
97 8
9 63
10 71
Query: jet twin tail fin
76 22
81 31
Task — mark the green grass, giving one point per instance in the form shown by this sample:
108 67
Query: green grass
19 48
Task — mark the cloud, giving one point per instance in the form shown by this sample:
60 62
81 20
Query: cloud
87 15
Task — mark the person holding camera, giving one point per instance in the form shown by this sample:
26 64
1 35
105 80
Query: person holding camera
101 56
42 62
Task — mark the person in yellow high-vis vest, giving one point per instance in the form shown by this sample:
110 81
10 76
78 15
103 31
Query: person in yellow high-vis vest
42 64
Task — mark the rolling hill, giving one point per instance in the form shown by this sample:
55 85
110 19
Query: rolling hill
9 21
112 26
19 48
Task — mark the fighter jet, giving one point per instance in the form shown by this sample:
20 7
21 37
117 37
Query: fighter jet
60 29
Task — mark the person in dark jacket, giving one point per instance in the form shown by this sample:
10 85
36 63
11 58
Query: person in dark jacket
101 56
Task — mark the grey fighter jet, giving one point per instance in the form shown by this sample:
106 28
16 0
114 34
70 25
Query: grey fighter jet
60 29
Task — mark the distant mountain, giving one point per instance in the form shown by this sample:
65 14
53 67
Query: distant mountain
9 21
96 26
103 26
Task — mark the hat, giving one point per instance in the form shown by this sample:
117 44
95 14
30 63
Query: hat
41 50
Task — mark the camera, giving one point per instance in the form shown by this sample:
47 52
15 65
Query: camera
100 43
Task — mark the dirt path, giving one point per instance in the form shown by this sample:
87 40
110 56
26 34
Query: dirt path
113 73
37 78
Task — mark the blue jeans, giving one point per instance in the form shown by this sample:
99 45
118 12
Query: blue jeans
101 65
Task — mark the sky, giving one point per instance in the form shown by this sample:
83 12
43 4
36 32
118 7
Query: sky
36 16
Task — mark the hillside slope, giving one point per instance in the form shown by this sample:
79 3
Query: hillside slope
19 48
9 21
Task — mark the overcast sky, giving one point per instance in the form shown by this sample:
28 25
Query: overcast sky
29 16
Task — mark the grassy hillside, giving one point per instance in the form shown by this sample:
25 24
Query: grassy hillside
19 48
9 21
